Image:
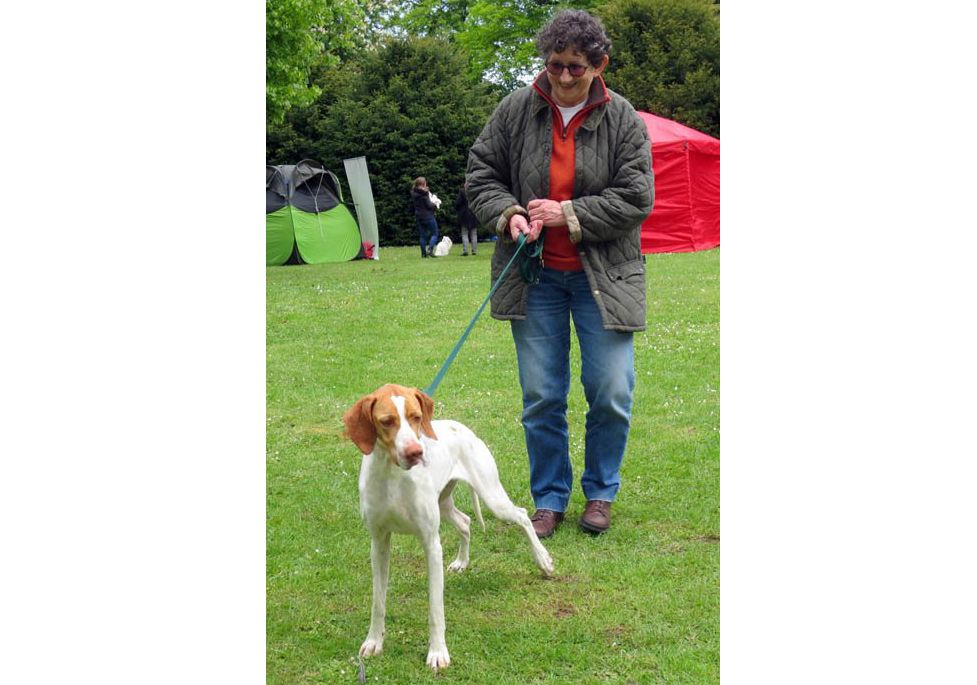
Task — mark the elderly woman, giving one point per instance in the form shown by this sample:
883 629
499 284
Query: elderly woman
568 162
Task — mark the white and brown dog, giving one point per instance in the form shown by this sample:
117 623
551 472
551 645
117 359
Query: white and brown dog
410 467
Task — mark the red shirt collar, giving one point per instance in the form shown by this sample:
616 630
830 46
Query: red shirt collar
597 95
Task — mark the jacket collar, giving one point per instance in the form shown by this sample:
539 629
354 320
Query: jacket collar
598 96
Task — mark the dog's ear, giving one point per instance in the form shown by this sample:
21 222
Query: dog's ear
359 424
427 412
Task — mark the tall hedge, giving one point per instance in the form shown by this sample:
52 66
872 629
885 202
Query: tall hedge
410 107
665 58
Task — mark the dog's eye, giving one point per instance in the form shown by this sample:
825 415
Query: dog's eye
388 421
415 418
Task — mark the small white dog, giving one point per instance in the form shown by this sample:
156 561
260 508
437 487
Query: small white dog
443 248
406 479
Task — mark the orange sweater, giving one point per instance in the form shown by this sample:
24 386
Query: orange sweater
559 252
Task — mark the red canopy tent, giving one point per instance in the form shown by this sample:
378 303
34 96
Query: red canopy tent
685 217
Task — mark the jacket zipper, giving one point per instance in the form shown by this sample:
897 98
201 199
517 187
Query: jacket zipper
565 128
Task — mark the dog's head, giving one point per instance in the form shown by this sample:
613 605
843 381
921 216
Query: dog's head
391 419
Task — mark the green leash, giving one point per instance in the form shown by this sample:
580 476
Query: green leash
529 269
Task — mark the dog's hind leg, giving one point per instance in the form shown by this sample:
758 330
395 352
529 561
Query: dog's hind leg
460 521
503 508
484 478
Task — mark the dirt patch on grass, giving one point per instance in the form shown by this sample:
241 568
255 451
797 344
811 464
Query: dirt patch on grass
565 579
563 610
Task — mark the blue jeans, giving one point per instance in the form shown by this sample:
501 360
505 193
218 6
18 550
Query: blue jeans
428 230
607 374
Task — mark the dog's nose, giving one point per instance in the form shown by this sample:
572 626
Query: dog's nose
413 453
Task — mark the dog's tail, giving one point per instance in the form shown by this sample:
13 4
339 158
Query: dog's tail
478 509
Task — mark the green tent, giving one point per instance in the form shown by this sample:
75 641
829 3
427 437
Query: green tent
305 218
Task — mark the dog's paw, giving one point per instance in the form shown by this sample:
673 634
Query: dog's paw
371 646
437 657
457 566
545 562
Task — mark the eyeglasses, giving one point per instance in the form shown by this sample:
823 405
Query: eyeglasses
556 68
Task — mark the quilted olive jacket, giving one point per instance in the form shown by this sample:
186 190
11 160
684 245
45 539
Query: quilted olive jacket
509 165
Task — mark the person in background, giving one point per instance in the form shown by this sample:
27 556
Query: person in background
424 209
568 161
467 222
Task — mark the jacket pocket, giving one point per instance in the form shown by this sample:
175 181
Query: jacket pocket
629 271
623 299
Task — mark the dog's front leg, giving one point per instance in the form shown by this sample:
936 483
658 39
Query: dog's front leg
380 561
437 655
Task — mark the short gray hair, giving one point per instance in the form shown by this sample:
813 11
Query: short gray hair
577 30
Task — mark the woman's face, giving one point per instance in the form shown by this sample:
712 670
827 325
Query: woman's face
570 90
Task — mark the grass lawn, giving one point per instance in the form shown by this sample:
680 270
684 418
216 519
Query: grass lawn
639 604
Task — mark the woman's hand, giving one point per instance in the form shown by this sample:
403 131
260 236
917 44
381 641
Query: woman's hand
518 225
549 212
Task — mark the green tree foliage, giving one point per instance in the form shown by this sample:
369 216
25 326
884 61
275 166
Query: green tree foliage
301 35
665 58
410 107
291 48
499 35
442 18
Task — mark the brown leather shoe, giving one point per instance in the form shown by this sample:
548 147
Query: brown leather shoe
596 516
545 522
